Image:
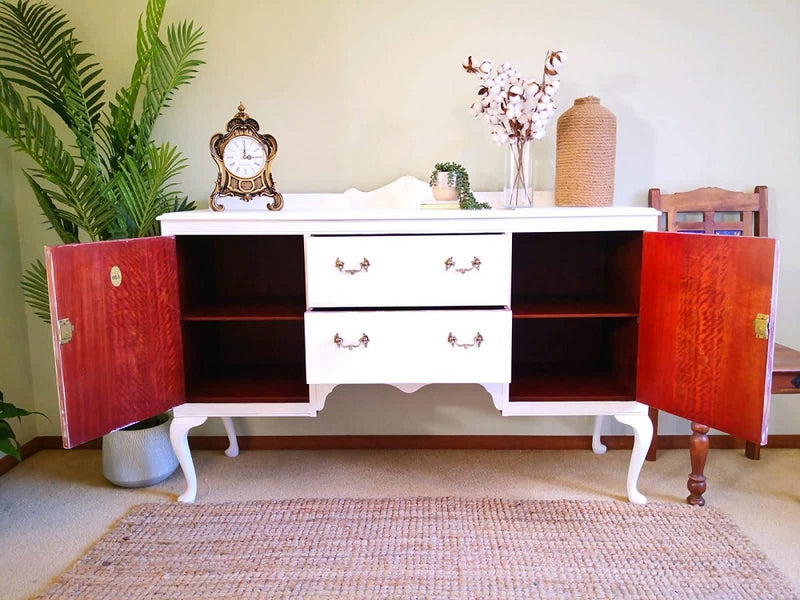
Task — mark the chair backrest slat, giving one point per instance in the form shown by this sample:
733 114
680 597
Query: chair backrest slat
713 210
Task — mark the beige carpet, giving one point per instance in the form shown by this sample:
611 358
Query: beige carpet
423 548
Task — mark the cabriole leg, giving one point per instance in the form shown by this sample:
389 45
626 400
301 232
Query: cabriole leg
233 444
179 437
642 434
598 447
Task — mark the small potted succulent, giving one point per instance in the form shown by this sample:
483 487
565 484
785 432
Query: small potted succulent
450 182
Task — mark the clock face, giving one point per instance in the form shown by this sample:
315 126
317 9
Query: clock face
244 157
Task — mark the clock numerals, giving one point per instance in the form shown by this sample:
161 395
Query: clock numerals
244 157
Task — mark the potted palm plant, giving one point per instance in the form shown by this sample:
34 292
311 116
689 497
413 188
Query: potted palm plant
98 174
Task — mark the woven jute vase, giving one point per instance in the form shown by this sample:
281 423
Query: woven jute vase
586 146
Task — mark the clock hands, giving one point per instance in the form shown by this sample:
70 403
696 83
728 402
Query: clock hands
245 155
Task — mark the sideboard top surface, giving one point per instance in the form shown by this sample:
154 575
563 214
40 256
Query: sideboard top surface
296 218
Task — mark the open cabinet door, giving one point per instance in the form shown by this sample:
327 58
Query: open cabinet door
115 312
700 356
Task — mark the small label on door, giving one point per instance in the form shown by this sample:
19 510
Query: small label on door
116 276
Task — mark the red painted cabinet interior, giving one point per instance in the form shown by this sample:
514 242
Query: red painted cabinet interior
662 318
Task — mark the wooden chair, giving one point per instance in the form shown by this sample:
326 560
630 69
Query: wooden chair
714 211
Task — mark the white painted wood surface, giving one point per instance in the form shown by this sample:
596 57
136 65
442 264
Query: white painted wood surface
409 346
408 271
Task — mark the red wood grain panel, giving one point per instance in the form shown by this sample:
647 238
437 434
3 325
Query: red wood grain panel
698 355
125 360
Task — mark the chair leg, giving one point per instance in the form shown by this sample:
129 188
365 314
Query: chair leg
698 453
752 451
652 450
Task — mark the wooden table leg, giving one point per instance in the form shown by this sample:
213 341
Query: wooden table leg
698 452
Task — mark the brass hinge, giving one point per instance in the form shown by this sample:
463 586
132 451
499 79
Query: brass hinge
65 330
761 326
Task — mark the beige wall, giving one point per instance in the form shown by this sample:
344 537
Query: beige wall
15 366
358 93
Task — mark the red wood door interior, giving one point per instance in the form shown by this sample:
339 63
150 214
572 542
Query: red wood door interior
124 361
699 357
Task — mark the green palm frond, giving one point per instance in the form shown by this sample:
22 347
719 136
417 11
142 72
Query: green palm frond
120 129
146 191
172 66
110 180
35 38
63 223
77 105
31 34
83 201
77 189
34 288
30 132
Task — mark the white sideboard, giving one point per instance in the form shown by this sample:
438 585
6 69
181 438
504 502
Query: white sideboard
539 306
553 311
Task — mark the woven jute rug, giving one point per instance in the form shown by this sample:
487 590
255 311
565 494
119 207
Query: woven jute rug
425 548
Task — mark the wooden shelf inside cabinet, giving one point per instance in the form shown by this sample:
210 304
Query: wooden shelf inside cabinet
239 387
247 310
569 308
571 388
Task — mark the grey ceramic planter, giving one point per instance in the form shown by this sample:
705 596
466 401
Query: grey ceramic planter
139 457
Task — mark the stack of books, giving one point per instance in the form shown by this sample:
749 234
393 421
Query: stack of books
439 204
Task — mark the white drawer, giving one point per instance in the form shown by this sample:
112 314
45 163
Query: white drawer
415 346
408 270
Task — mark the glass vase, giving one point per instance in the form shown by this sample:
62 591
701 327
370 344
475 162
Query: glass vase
518 175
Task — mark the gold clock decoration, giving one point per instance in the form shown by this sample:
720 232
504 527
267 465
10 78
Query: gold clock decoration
244 157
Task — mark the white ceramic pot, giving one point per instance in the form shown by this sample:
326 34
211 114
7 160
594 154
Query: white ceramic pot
139 457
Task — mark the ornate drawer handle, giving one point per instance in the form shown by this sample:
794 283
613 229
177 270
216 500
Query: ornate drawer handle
363 267
476 341
362 341
450 263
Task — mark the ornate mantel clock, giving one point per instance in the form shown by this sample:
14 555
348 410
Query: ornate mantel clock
243 157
